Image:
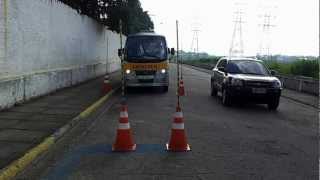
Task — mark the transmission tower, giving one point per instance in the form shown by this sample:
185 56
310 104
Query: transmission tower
236 47
265 38
195 42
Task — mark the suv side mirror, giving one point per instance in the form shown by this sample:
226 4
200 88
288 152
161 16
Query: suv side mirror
172 51
120 52
273 72
221 69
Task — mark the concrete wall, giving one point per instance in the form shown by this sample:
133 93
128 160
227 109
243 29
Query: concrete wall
45 46
301 84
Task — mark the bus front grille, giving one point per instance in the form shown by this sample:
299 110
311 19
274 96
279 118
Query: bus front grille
145 73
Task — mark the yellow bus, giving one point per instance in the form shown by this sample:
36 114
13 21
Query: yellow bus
146 61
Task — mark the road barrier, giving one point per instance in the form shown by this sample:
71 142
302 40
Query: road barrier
178 139
124 141
300 84
181 88
106 87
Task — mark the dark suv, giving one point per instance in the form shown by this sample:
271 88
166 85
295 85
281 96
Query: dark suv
245 79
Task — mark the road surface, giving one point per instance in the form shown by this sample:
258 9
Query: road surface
242 142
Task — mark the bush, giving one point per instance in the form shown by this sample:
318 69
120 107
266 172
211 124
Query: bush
299 67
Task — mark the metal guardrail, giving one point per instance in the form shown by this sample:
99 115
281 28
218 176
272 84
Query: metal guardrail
296 83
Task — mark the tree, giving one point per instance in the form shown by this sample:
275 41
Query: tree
109 13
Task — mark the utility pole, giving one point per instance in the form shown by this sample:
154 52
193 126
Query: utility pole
122 65
178 62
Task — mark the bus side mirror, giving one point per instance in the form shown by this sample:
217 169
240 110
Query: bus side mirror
172 51
120 52
273 72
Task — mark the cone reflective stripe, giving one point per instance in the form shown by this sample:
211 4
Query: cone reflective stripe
106 87
178 126
181 88
124 126
124 140
123 115
178 139
106 79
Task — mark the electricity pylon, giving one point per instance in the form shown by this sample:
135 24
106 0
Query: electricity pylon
237 47
195 42
265 38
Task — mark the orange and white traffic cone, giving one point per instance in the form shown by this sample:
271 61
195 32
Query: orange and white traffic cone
124 140
106 87
181 91
178 139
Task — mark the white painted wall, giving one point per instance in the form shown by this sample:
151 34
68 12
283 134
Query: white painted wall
45 45
2 37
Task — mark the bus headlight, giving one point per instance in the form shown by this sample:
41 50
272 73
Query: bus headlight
163 71
128 71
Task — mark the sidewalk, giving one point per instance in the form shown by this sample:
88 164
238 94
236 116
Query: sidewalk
24 126
303 98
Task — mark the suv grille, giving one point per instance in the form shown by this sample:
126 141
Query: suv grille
258 84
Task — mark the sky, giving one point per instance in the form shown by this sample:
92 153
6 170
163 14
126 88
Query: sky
295 29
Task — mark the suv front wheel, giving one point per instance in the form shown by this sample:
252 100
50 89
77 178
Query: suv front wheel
226 99
213 90
273 104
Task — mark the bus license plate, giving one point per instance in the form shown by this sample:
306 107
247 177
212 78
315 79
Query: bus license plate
259 90
145 77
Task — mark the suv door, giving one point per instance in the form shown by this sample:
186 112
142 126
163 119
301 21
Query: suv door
219 74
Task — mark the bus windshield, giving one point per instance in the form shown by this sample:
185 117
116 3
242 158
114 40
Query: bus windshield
146 49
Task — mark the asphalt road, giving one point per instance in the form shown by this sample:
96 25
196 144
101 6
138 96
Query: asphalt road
228 143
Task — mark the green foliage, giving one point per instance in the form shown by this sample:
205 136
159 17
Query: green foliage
129 11
306 68
207 63
299 67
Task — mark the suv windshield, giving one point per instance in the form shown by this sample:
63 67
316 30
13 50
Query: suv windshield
246 67
146 49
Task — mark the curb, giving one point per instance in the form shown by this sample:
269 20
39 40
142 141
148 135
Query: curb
18 165
298 101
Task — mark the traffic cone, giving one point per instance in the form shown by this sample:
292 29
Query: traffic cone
178 139
106 87
181 88
124 140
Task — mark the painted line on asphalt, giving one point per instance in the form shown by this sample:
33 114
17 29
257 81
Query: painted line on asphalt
72 159
20 164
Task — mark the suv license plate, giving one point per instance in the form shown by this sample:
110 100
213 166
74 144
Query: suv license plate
259 90
145 77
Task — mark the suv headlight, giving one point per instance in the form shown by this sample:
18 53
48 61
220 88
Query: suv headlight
277 84
236 82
